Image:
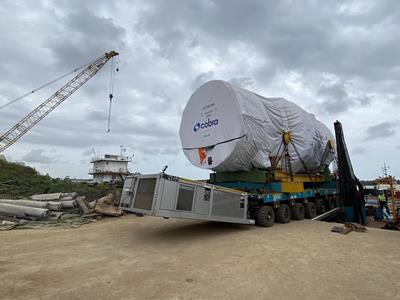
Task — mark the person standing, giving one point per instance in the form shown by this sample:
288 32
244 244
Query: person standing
382 201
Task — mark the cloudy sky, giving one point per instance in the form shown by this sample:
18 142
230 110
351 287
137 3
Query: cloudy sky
337 59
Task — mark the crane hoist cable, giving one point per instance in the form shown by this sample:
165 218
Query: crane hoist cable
114 68
111 92
30 120
45 85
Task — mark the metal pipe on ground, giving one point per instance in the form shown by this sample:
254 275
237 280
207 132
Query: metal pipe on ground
32 203
73 195
23 212
55 205
329 215
46 197
68 204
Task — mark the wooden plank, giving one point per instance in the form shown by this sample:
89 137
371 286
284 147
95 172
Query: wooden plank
82 205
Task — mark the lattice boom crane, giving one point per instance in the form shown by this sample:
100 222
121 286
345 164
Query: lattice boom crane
23 126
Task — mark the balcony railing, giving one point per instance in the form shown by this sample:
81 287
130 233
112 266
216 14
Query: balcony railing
99 171
110 157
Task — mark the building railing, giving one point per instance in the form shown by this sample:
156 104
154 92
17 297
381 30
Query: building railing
110 157
99 171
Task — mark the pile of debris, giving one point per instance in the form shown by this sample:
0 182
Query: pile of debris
56 210
349 227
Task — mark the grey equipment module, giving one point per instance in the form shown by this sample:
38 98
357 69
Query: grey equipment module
168 196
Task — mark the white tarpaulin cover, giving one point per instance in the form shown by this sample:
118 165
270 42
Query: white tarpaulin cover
227 128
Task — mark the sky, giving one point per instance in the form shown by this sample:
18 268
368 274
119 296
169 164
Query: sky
337 59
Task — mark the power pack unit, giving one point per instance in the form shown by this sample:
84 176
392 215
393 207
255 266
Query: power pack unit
168 196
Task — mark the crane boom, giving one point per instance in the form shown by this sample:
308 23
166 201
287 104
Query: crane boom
23 126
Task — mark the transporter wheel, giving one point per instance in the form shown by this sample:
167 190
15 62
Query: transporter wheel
283 214
297 211
265 216
320 206
309 210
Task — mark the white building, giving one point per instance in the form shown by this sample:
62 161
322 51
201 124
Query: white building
109 167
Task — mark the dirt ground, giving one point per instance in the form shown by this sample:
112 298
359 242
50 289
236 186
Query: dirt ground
147 258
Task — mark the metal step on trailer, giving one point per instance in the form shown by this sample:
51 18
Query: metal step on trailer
169 196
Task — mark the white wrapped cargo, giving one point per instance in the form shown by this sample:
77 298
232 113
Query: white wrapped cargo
227 128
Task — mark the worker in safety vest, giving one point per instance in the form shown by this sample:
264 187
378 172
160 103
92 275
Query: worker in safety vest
382 201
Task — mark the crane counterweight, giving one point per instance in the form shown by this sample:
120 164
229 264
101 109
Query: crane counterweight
111 54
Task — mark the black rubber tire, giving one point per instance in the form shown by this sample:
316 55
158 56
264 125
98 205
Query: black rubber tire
283 214
298 211
320 206
265 216
310 210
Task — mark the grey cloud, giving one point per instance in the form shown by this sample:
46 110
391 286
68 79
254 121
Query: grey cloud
146 136
97 116
243 82
336 98
162 100
359 150
336 91
286 32
67 138
87 152
381 130
364 100
89 36
174 150
37 156
150 128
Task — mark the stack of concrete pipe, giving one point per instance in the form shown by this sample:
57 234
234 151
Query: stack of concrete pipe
37 206
23 212
51 205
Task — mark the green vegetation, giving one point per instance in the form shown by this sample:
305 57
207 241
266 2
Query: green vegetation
21 181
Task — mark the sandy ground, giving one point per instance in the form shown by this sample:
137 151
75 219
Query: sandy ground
147 258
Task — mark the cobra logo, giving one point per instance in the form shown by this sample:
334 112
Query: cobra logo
209 123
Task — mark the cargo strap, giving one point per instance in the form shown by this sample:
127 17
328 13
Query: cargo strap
227 141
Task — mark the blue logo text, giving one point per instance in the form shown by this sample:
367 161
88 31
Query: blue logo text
206 124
